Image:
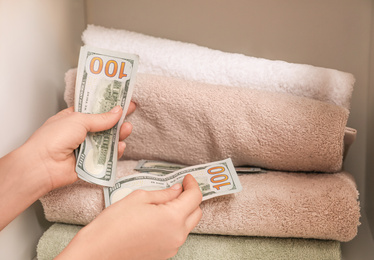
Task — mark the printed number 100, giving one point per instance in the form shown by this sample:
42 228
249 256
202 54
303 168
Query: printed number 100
218 177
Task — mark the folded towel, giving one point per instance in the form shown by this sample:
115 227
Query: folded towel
204 247
265 248
192 62
54 240
276 204
192 123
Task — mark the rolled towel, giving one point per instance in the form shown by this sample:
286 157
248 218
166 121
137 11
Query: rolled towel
204 247
275 204
192 123
193 62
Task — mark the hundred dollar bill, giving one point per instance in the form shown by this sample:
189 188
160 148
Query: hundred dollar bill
105 79
167 167
215 179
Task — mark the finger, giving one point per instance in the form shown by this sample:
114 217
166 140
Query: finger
166 195
131 108
121 149
125 131
191 197
193 219
101 122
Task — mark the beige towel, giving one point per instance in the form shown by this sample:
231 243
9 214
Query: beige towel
191 123
277 204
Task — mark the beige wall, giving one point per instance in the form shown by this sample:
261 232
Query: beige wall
369 194
39 41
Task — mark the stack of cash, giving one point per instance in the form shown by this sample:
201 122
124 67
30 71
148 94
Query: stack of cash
105 79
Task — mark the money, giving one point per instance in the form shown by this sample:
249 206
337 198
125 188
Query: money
248 169
214 179
105 79
160 167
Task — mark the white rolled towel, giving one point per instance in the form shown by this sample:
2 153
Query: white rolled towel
192 62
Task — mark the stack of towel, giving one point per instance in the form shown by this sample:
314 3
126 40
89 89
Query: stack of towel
196 105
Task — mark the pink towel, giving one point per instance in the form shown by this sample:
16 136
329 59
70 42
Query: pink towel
276 204
191 123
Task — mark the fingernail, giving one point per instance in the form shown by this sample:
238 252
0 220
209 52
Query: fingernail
115 109
176 186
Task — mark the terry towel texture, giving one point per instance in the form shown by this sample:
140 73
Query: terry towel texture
275 204
190 123
54 240
193 62
204 247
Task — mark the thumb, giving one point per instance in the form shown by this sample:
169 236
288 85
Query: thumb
166 195
101 122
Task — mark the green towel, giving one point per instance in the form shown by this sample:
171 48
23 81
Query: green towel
255 248
216 247
55 239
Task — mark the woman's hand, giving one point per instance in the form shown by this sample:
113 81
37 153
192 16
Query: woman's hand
55 141
143 225
46 160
